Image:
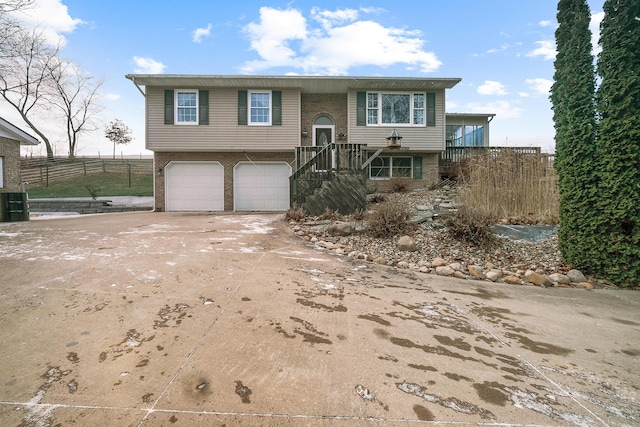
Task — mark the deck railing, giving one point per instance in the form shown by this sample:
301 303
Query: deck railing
317 164
454 155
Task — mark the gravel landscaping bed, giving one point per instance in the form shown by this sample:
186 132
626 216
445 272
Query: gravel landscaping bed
511 261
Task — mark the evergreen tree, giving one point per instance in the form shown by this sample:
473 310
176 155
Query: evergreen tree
574 115
618 146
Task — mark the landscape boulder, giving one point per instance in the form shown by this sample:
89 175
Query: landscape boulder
406 243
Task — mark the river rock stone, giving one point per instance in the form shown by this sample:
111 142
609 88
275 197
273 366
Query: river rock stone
476 271
512 280
537 278
493 275
585 285
438 262
444 270
560 279
406 243
576 276
340 228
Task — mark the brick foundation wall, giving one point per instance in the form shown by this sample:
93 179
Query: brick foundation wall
10 151
430 176
227 160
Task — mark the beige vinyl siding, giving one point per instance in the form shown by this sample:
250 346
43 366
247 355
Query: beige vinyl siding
223 132
424 139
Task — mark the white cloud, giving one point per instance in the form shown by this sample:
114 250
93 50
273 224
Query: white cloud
539 86
492 88
52 17
111 96
148 65
328 19
502 109
284 38
546 49
200 33
545 23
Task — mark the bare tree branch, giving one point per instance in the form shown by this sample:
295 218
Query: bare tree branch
75 95
25 76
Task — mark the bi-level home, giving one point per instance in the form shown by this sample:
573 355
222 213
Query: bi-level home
265 143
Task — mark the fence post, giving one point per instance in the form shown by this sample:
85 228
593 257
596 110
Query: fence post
47 175
129 170
84 165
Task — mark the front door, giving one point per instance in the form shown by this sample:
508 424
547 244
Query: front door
323 136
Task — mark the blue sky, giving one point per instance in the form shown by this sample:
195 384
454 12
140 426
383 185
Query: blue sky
503 50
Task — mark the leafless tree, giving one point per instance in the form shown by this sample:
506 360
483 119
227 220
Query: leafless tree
75 95
26 66
8 23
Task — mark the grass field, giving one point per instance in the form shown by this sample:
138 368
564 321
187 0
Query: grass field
102 184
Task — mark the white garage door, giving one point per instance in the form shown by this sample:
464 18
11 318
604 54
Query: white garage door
262 186
194 186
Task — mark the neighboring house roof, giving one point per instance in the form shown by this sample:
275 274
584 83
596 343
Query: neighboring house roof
306 84
11 131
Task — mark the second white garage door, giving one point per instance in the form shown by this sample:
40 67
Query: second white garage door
194 186
261 186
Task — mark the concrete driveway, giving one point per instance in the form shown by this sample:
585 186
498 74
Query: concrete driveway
159 319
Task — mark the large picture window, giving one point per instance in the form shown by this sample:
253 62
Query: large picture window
398 109
387 167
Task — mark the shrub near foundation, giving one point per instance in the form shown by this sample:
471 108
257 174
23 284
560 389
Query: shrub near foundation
388 220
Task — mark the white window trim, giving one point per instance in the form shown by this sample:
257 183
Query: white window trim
383 178
411 109
249 122
1 172
176 121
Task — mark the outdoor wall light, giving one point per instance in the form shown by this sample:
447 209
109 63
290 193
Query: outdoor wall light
159 171
394 140
342 136
305 133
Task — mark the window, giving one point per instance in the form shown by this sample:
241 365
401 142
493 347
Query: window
474 136
187 107
465 136
391 167
454 136
260 108
1 172
396 109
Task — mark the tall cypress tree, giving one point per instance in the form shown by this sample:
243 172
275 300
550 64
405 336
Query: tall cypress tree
618 147
574 115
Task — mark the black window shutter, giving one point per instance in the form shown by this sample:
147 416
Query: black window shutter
168 107
242 107
276 99
361 109
203 104
431 109
417 167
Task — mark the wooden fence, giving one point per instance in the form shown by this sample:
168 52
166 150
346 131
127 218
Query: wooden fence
44 171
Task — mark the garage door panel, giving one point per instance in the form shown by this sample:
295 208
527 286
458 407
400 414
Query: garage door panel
262 186
194 186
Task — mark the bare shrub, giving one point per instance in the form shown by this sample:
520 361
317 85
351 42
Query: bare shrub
330 215
388 220
472 226
399 185
377 198
511 184
295 213
358 215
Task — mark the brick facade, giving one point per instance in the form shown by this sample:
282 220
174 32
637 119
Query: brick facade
10 152
227 160
333 105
